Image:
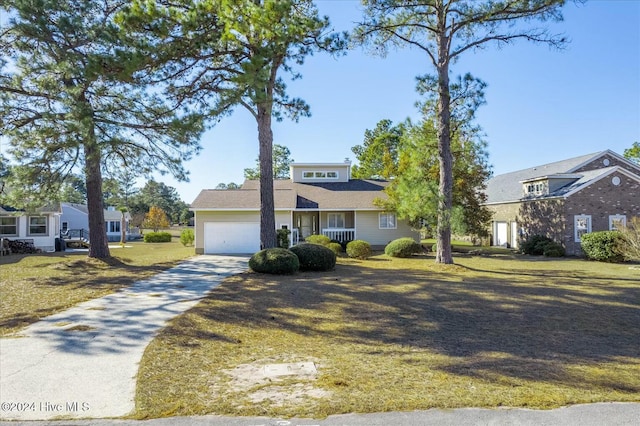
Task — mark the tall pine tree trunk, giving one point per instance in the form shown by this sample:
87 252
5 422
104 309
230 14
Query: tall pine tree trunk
445 188
267 210
98 244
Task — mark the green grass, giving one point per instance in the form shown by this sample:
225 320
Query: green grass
404 334
33 286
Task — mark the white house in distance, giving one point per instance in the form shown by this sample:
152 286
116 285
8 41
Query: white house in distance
75 220
319 198
40 227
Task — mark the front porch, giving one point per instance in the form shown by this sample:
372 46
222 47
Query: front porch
337 225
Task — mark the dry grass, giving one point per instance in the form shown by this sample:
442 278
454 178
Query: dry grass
404 334
37 285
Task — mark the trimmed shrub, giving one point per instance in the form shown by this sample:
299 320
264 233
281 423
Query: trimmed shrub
359 249
535 245
274 261
335 247
157 237
283 238
402 247
323 240
314 257
187 237
603 246
553 249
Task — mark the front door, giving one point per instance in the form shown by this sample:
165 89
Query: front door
307 224
501 234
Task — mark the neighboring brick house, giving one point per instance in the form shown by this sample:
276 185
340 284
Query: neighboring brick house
564 200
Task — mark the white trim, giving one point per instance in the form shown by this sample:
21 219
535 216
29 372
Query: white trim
614 169
589 223
395 220
339 215
46 226
316 172
17 225
621 217
602 154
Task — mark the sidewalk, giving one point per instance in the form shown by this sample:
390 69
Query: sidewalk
82 363
609 414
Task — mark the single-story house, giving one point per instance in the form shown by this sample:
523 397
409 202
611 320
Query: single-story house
75 222
319 198
564 200
40 227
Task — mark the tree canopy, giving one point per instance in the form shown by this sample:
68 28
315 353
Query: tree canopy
378 155
633 153
281 162
70 102
259 39
444 30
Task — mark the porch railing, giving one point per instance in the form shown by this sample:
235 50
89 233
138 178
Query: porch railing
340 234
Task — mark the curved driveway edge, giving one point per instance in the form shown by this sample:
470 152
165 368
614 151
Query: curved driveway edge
83 362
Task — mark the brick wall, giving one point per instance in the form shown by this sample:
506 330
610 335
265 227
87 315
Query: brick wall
600 200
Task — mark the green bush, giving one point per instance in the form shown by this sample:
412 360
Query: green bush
402 247
314 257
187 237
274 261
283 238
603 246
157 237
553 249
359 249
535 245
336 248
323 240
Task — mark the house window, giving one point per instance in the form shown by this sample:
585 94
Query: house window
8 225
582 225
320 175
387 221
617 222
335 220
113 226
37 225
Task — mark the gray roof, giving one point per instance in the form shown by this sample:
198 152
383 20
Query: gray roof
508 187
356 194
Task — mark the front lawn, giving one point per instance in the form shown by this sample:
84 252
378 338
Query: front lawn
403 334
33 286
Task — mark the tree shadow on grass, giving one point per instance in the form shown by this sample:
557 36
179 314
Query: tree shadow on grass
490 326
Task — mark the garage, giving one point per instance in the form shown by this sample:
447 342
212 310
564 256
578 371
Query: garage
231 237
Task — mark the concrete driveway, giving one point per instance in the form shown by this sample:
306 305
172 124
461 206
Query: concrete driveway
83 362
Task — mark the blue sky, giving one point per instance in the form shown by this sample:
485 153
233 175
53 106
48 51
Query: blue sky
542 105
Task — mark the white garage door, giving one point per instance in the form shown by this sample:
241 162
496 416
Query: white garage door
231 237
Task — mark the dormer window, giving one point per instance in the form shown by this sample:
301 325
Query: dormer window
532 189
320 175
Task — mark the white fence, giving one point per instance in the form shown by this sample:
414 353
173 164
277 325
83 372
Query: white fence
340 234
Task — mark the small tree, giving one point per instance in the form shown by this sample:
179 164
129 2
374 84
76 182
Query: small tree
630 246
156 219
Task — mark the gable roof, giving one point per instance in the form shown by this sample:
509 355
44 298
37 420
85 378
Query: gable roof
357 194
49 208
507 187
111 215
